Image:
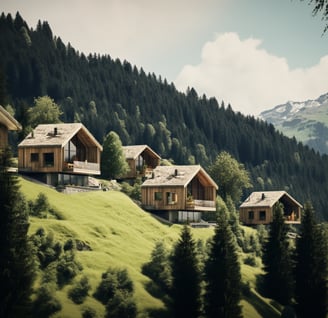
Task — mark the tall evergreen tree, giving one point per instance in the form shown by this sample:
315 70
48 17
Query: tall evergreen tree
222 274
311 270
16 259
113 163
186 279
277 260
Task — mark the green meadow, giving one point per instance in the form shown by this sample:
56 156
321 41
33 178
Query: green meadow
120 234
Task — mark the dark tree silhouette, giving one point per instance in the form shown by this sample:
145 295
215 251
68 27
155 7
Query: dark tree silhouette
186 279
277 260
16 258
222 274
311 270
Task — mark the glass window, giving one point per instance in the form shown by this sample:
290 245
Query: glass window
158 196
48 159
171 197
262 215
251 215
34 157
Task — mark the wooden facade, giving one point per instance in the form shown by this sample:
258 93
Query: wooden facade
258 208
142 160
174 190
60 148
7 122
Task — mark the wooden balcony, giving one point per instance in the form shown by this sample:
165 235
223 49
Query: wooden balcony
83 167
200 205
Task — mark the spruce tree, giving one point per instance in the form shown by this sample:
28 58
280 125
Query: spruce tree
311 270
16 259
277 260
186 280
222 274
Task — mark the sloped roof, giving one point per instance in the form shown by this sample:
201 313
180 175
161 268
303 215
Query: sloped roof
165 176
44 135
132 152
266 199
9 121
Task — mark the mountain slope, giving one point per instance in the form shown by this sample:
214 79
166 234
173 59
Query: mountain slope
110 95
306 121
120 234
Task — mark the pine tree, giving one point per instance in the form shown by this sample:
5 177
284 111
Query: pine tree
277 260
186 280
311 270
113 163
16 260
222 274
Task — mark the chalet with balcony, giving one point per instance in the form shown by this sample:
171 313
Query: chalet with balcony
60 154
142 160
179 193
7 123
258 208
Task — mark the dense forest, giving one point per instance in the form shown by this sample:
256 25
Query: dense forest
106 94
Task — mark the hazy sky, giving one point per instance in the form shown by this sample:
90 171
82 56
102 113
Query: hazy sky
254 54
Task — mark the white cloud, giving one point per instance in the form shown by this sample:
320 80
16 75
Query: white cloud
243 74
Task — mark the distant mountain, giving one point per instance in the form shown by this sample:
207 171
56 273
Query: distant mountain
306 121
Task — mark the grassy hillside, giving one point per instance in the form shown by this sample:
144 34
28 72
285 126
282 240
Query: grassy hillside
120 234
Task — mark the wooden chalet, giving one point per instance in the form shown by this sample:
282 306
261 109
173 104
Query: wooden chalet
7 122
141 160
60 154
258 208
179 193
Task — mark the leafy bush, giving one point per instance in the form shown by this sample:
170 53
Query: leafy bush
88 312
67 268
121 305
45 304
80 290
112 281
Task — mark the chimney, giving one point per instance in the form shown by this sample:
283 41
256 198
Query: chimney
175 172
263 196
55 131
153 175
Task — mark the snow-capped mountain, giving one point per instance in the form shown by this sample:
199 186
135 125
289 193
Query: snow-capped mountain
306 121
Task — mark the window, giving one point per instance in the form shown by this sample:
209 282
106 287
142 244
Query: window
171 197
48 159
34 157
251 215
262 216
158 196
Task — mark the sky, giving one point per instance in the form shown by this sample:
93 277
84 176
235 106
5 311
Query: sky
253 54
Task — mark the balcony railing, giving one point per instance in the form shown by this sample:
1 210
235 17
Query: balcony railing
84 167
200 205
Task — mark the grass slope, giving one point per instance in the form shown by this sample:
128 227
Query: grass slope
120 235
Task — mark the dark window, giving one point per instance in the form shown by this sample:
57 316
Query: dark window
48 159
158 196
251 215
34 157
262 215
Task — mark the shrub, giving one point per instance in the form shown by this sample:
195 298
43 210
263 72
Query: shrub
89 312
67 268
250 260
121 305
45 304
112 281
80 290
